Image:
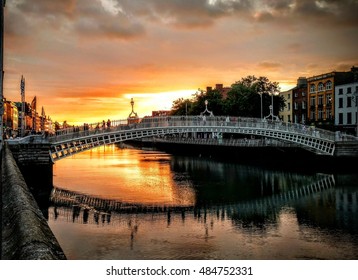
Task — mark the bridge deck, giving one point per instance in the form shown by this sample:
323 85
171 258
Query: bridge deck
74 140
77 139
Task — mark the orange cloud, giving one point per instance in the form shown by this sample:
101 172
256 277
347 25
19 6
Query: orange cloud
84 59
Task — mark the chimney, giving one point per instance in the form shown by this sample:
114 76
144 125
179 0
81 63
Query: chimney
302 81
219 86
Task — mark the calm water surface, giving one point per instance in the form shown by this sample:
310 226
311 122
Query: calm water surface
112 203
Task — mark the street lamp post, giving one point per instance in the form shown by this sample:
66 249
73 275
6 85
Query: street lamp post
1 71
273 117
356 103
23 107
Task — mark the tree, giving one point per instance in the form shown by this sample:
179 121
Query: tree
181 107
242 101
257 95
215 102
249 97
196 105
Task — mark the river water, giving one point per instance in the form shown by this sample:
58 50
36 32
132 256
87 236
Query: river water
114 203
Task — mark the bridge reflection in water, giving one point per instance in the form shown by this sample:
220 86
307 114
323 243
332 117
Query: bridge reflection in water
227 211
80 206
269 219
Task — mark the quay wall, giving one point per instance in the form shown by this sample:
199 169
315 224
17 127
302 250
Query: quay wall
346 149
36 167
25 232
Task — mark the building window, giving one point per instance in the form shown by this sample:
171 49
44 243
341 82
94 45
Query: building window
296 106
303 104
340 103
328 100
288 106
328 114
313 115
320 114
349 118
328 85
320 87
320 100
303 93
289 118
349 101
296 94
349 90
289 96
340 91
312 88
340 118
303 120
313 101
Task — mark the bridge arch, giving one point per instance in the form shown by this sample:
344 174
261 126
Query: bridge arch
74 140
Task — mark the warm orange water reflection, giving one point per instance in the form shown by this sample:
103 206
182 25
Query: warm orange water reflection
211 236
239 211
130 176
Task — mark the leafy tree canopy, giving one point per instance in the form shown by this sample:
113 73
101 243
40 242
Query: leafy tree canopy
248 97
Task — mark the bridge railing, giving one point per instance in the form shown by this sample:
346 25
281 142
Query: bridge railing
189 121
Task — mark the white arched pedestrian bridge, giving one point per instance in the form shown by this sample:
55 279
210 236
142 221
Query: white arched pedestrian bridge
73 140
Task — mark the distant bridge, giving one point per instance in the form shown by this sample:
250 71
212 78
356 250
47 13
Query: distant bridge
73 140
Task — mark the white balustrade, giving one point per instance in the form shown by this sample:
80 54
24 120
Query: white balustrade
75 139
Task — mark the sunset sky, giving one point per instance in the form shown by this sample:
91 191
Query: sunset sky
85 59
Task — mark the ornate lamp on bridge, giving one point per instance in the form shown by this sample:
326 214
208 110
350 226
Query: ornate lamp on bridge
271 115
133 116
206 110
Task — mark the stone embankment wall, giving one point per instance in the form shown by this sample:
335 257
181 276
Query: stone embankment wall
36 167
25 232
346 149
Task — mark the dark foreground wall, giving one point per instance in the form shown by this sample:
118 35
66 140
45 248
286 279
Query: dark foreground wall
35 164
25 232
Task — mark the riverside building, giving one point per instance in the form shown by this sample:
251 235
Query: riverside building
322 96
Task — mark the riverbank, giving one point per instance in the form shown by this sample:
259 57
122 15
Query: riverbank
24 230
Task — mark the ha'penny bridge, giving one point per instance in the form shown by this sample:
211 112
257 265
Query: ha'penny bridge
92 209
205 129
188 129
71 141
